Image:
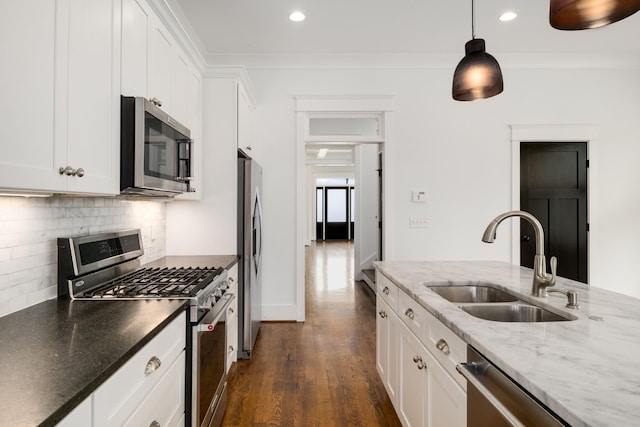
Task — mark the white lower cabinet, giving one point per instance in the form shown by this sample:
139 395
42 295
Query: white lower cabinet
386 346
415 357
232 319
153 374
148 390
80 416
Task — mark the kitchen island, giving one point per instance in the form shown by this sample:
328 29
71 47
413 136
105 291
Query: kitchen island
584 370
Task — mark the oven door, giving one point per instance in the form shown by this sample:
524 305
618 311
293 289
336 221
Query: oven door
209 379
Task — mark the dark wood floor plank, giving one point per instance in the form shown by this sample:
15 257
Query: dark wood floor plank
321 372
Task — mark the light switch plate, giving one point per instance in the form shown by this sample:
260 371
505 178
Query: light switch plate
418 222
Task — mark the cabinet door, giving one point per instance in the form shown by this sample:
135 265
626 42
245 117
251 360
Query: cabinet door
447 400
244 120
180 96
387 347
160 56
232 319
135 34
80 416
93 101
27 102
413 390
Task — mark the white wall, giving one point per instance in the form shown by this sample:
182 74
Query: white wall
460 154
367 208
29 229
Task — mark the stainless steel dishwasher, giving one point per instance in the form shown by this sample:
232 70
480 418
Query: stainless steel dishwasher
494 399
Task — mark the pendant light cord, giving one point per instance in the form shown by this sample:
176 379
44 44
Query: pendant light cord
473 25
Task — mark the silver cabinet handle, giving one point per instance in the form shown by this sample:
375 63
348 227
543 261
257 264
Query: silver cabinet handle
69 171
153 364
382 314
155 101
231 310
231 279
385 290
154 423
418 361
443 346
409 314
231 349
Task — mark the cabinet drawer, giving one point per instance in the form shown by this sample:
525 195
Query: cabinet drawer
120 395
446 347
165 403
388 290
412 314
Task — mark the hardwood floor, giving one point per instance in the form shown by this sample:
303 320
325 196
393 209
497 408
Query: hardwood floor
321 372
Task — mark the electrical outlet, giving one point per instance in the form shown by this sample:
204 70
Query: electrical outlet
418 222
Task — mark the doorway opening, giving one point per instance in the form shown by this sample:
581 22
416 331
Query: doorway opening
324 123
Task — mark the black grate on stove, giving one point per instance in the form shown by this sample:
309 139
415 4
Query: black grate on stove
157 283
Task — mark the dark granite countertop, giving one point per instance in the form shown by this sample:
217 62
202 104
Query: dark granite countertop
55 354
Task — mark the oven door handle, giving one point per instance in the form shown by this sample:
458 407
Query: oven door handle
209 321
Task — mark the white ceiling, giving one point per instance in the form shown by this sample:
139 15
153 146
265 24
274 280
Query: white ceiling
252 31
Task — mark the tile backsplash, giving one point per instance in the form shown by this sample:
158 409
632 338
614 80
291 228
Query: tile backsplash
29 228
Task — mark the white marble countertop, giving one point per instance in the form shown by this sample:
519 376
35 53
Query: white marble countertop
584 370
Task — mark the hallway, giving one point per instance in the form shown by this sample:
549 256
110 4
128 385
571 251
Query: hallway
321 372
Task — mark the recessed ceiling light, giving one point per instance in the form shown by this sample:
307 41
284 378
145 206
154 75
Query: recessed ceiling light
509 15
297 16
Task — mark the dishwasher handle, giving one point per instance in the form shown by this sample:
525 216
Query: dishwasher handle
467 371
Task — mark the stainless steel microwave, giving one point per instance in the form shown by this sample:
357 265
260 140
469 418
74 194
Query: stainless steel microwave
155 151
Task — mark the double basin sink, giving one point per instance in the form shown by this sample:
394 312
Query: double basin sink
486 301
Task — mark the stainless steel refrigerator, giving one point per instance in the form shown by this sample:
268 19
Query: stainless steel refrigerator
250 251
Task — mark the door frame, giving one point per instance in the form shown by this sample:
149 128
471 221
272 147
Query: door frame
339 106
560 134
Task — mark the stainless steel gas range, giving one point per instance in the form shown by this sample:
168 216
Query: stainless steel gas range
107 267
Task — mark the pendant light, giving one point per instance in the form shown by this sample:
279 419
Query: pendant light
478 74
586 14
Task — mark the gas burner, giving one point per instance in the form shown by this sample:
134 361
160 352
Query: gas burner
157 283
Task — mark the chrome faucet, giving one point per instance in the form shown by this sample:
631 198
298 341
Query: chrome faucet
541 280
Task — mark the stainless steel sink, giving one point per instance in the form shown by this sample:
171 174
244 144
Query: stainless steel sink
480 292
514 313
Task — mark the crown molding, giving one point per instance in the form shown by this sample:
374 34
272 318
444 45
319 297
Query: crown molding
237 72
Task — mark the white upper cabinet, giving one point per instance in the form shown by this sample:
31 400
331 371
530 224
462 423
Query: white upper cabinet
135 32
93 96
27 102
161 65
62 96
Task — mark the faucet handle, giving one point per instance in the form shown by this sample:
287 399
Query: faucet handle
554 268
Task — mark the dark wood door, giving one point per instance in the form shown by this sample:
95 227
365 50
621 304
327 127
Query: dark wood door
553 188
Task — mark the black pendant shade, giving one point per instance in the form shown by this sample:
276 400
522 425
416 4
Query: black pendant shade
478 74
585 14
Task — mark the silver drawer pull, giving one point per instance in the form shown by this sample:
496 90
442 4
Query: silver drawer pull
421 365
409 314
231 280
230 310
231 349
385 290
382 314
153 364
443 346
417 359
154 423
